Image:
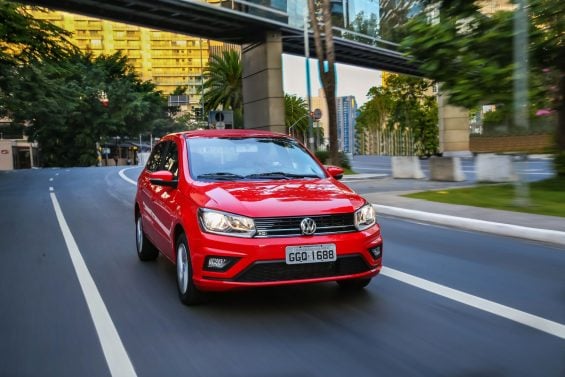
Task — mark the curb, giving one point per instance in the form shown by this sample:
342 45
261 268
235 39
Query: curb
509 230
353 177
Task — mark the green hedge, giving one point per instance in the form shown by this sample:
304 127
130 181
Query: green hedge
344 162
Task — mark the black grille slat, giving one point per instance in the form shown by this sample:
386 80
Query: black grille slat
290 226
280 271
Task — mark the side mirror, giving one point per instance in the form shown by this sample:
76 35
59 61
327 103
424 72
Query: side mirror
163 178
335 171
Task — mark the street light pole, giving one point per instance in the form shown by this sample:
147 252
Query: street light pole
308 89
520 76
295 123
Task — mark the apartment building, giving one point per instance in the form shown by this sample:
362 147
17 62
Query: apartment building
167 59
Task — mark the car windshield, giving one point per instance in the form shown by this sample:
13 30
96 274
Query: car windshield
250 158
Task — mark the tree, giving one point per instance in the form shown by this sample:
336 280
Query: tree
223 87
61 100
321 22
24 40
471 57
471 54
374 113
180 90
548 21
402 103
296 116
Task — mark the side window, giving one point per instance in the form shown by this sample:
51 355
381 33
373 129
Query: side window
171 159
154 161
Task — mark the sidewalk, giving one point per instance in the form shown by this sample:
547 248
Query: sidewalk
507 223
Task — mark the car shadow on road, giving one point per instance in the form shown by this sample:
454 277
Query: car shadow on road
301 297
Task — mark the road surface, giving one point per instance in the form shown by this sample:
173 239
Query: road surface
415 319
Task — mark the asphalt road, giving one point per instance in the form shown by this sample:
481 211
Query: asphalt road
48 327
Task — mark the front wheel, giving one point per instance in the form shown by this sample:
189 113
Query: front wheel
354 284
188 293
145 249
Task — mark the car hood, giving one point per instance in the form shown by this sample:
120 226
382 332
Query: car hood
277 198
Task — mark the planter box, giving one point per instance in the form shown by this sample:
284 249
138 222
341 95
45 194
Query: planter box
407 167
446 169
494 168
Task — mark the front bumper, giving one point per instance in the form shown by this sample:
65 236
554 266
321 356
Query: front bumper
261 261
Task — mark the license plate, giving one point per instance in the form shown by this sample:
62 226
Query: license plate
311 253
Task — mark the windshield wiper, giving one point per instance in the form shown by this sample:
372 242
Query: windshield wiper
280 175
223 176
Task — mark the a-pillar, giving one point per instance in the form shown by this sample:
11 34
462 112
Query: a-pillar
263 96
453 129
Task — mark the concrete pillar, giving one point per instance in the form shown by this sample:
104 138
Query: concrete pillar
263 95
453 129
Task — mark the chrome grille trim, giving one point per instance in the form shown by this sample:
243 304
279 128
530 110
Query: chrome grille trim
290 226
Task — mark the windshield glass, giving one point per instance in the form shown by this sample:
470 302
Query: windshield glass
250 158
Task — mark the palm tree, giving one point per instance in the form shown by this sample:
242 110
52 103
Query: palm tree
223 83
296 116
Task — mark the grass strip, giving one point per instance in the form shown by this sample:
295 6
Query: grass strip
547 197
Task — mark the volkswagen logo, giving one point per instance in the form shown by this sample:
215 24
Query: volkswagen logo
308 226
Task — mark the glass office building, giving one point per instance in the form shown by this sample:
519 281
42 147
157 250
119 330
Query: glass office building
346 115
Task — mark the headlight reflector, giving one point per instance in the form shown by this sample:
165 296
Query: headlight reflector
226 223
365 217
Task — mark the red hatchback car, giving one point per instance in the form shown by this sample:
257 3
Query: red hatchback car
244 208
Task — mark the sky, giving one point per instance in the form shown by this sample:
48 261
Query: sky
351 81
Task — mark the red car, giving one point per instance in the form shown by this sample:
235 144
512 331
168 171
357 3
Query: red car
245 208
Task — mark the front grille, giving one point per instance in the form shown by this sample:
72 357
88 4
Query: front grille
290 226
280 271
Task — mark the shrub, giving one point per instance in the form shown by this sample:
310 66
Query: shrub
344 161
323 156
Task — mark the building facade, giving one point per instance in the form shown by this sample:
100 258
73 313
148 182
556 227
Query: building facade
346 116
167 59
346 113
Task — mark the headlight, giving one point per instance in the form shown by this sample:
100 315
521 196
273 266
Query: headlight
226 223
365 217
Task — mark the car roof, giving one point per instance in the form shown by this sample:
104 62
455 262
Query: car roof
230 133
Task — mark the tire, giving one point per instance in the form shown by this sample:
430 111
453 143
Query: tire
354 284
145 249
188 293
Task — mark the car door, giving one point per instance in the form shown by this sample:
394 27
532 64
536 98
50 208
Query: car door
165 202
147 193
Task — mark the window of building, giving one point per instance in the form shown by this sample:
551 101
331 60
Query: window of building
95 43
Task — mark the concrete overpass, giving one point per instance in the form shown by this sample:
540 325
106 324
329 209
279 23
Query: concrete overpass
214 21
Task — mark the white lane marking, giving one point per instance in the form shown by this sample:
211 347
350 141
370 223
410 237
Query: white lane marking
50 188
538 323
536 234
126 178
116 355
50 179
